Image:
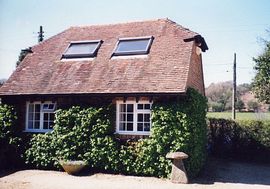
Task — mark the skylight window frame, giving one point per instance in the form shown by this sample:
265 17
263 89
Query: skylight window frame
85 55
138 52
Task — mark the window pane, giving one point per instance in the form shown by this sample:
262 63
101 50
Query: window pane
51 117
140 117
37 116
45 106
122 107
130 126
45 125
122 117
37 107
31 116
50 125
146 117
36 125
46 116
140 106
140 126
81 48
129 117
30 124
132 45
31 108
147 106
122 126
51 106
146 126
129 107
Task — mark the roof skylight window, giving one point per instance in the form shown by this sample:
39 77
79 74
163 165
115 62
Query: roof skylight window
82 49
133 46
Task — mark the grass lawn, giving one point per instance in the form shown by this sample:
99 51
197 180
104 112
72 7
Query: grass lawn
240 115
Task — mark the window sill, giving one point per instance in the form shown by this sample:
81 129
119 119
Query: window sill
129 56
132 133
76 59
37 131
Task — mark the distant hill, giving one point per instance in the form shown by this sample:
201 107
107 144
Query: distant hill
220 97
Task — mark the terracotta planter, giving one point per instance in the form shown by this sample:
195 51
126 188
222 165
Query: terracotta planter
72 167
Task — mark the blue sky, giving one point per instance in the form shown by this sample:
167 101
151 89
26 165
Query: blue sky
228 26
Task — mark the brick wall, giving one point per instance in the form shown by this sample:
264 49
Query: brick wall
84 101
195 77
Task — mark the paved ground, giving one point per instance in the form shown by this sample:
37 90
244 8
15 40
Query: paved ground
219 174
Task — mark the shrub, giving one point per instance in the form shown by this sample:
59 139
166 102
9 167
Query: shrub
245 139
77 133
221 136
87 134
175 127
217 107
42 151
258 131
103 154
9 137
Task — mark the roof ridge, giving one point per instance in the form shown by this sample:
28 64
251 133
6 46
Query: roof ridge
127 22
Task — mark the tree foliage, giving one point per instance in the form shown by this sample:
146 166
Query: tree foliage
253 105
242 139
9 140
239 105
22 55
261 82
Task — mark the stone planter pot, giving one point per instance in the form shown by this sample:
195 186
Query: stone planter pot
72 167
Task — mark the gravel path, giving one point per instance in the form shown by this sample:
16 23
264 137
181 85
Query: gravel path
219 174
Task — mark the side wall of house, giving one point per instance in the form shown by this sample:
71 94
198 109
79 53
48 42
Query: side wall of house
195 76
64 102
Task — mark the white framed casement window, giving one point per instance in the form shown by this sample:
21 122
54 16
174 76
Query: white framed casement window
133 118
39 116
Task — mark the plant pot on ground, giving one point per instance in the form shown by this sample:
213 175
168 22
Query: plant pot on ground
72 166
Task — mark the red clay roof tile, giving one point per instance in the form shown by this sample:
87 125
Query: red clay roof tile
163 70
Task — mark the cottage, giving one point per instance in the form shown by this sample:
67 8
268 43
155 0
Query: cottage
130 65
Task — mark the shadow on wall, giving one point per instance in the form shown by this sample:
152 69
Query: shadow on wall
229 171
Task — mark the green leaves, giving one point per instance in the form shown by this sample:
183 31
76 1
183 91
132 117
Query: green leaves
10 140
77 133
87 134
247 139
261 82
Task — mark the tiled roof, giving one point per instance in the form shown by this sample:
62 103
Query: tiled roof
164 70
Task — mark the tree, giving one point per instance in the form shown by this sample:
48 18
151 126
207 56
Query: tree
22 55
261 82
220 93
239 105
253 105
217 107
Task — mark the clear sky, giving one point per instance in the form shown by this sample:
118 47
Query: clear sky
228 26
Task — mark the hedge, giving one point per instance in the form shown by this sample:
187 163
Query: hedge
9 140
245 139
87 134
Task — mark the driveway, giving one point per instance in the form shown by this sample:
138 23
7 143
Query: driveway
218 174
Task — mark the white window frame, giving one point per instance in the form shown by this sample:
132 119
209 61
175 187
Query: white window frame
136 111
41 120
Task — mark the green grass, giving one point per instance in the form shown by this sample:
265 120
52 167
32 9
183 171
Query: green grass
240 115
